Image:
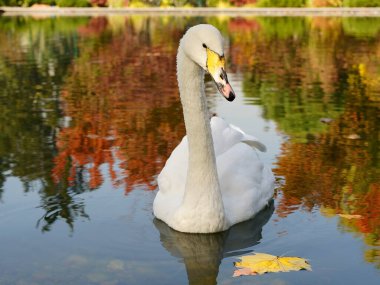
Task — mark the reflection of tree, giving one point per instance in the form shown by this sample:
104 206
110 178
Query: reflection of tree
123 106
62 204
302 70
29 105
119 111
287 78
337 172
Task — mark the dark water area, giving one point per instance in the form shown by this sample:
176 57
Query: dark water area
89 113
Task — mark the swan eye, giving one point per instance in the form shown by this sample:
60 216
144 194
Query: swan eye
204 45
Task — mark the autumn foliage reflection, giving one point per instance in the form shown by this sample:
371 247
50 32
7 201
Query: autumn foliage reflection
337 170
122 105
122 116
303 70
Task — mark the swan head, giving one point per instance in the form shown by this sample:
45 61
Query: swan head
204 45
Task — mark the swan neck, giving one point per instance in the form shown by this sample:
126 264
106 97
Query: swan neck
202 185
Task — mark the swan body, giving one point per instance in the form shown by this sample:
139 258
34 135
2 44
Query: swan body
214 178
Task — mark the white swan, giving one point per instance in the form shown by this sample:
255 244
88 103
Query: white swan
214 178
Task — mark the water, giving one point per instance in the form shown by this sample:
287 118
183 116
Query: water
89 113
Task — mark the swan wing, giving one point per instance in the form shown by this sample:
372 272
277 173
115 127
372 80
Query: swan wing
226 135
251 186
173 176
171 182
250 140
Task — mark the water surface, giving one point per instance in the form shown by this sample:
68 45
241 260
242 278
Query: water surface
89 113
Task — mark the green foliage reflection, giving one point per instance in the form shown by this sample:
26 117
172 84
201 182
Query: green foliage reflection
35 55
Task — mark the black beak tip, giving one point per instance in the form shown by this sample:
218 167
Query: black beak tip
231 97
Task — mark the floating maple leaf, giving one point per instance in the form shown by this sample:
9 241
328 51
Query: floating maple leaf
260 263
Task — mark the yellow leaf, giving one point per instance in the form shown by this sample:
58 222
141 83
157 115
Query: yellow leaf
260 263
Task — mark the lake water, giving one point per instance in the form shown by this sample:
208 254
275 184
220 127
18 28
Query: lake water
89 113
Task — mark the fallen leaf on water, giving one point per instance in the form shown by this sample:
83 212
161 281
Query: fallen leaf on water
347 216
260 263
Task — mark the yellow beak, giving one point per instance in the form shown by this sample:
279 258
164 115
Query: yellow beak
214 62
215 66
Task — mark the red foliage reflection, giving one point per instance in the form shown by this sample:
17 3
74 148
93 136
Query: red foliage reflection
124 109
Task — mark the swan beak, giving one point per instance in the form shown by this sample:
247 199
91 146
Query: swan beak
215 66
224 86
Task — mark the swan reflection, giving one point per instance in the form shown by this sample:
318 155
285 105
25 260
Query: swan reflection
203 253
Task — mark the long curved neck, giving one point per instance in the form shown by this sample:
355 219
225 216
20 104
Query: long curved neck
202 184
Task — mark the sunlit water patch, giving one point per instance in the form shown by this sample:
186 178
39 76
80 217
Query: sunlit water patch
89 113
